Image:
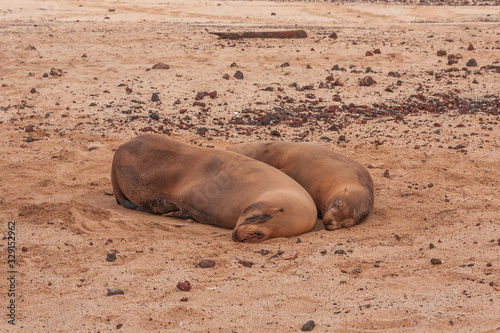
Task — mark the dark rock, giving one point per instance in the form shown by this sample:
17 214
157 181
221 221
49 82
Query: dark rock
309 326
184 286
367 81
441 53
333 35
225 76
56 72
264 252
435 261
111 257
154 116
239 75
33 90
29 139
471 63
275 133
206 264
386 174
245 263
160 65
155 98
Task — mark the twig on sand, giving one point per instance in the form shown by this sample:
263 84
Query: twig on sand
263 34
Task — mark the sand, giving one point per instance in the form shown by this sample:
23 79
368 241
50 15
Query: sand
435 135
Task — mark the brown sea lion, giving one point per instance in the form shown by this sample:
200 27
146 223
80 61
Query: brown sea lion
159 175
341 188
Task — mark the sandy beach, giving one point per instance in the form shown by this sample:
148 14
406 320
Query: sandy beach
77 81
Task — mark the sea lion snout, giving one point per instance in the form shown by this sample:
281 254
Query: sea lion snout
252 228
250 235
340 215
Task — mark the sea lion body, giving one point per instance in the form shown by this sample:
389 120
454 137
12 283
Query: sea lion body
341 188
159 175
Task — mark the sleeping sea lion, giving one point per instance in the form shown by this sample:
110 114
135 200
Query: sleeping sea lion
159 175
341 188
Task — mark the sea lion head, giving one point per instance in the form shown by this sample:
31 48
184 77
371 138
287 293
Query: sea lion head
347 209
276 214
256 223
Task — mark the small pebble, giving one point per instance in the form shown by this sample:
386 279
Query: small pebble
245 263
289 255
386 174
206 263
184 286
435 261
29 139
431 246
239 75
155 98
161 65
115 291
111 257
24 249
154 116
56 72
309 326
471 63
264 252
275 133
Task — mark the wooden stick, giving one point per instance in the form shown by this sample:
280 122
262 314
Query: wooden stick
264 34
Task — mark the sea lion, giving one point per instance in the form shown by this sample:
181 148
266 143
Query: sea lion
159 175
341 188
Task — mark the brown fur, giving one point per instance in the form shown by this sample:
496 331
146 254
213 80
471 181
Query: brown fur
156 174
341 188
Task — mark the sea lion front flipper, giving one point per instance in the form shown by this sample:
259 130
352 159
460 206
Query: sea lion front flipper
130 205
